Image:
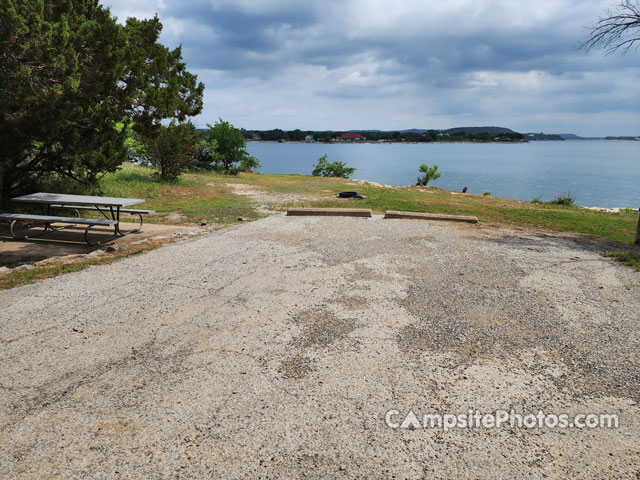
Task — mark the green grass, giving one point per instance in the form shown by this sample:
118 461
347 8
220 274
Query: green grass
187 200
630 259
613 226
197 197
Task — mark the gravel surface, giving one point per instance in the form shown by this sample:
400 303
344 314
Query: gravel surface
275 349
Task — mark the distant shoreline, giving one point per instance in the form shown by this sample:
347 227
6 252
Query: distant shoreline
366 142
518 142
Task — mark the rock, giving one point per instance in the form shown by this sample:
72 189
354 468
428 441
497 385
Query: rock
242 219
96 253
111 249
203 222
4 270
57 260
464 190
347 194
24 267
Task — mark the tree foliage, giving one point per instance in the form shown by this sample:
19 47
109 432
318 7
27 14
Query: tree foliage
225 150
69 74
428 174
170 150
619 29
323 168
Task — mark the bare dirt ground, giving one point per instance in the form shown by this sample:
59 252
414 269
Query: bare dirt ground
268 202
275 349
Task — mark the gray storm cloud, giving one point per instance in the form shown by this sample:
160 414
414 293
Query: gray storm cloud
402 64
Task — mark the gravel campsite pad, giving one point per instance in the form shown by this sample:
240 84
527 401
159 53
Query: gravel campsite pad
291 347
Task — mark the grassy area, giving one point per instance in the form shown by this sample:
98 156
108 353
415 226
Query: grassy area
206 196
197 197
630 259
190 199
613 226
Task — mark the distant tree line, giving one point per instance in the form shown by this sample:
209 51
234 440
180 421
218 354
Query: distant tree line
297 135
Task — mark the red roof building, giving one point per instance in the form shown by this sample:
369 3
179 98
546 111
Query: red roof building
351 136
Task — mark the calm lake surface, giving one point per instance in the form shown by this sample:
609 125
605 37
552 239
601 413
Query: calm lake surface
597 173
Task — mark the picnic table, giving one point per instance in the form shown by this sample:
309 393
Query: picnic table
109 207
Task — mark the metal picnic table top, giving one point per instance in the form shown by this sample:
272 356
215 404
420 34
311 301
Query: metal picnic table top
65 199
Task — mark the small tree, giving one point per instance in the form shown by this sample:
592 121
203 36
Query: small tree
428 174
334 169
226 150
171 148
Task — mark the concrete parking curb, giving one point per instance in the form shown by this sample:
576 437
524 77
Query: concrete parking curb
330 212
430 216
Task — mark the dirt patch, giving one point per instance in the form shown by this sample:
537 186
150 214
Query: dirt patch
268 202
175 217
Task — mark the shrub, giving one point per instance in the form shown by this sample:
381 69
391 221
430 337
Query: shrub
334 169
487 194
428 174
170 149
568 201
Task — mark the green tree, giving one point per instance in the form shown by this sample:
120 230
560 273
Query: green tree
170 150
334 169
428 174
228 149
69 73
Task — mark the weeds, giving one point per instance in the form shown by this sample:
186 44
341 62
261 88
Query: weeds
630 259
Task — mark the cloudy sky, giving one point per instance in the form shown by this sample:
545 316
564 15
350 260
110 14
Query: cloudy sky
391 65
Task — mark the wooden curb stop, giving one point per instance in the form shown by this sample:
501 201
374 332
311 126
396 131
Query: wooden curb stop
330 212
430 216
366 213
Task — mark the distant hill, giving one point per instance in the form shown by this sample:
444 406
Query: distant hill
477 130
569 136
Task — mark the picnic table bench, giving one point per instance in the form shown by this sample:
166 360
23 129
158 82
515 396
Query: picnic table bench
109 207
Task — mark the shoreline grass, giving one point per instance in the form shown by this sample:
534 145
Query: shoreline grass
199 196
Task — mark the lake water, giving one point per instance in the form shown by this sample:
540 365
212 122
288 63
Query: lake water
597 173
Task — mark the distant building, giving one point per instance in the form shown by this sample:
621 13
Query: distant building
353 137
308 139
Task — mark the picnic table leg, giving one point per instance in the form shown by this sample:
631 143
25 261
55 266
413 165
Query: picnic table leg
93 244
127 232
22 237
57 229
115 228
